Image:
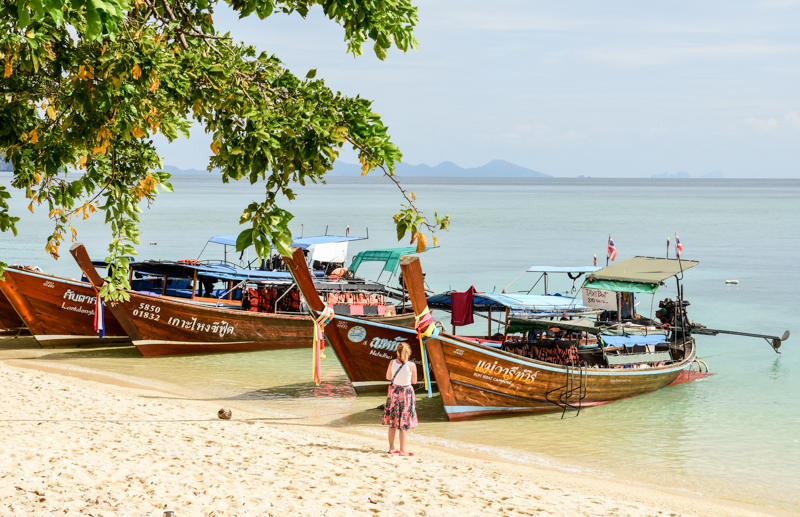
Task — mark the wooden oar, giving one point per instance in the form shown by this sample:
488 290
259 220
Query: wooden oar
774 341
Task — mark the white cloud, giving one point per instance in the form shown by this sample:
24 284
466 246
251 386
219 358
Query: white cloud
763 124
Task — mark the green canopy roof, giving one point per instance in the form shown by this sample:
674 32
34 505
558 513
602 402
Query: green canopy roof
641 270
390 257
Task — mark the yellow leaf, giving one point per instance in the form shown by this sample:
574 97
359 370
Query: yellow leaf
435 241
74 233
30 207
29 34
37 177
51 112
137 132
413 237
136 72
8 70
44 104
210 21
422 243
413 197
364 169
154 82
34 138
214 147
82 162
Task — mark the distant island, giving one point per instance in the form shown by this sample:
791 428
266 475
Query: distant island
679 175
495 168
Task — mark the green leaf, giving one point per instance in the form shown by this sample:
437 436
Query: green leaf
244 240
94 26
311 73
22 13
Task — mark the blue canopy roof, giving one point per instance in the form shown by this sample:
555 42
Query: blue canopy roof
482 302
226 272
559 269
650 339
303 242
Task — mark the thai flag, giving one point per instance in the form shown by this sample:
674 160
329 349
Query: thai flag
678 246
612 250
99 320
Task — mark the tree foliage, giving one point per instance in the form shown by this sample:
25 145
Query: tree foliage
86 83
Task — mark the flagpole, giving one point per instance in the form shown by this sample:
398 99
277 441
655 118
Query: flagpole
667 247
609 242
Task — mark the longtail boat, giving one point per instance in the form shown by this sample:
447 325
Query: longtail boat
161 325
10 322
550 368
59 312
363 347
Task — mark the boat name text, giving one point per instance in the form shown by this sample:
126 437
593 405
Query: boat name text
218 327
79 298
485 367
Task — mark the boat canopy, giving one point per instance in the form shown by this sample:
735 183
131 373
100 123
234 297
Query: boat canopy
521 304
559 269
390 257
303 242
637 275
322 248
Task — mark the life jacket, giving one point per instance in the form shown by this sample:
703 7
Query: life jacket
290 302
189 262
259 300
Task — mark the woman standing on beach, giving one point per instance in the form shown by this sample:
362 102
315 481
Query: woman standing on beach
400 410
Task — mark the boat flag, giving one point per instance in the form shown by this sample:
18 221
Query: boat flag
612 250
99 317
325 317
426 329
678 247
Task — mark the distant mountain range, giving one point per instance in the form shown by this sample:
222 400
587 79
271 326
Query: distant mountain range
681 174
495 168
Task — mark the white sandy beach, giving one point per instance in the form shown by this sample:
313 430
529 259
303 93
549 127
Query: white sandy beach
78 447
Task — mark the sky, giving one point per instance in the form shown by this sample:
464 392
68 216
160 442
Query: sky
602 89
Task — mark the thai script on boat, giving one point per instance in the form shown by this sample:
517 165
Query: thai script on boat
218 327
386 344
526 375
50 284
79 298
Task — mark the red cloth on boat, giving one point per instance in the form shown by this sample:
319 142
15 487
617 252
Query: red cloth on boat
461 305
356 310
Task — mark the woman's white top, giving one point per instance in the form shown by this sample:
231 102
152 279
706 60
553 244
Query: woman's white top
404 377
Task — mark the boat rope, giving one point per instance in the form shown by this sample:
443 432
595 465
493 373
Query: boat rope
325 317
426 329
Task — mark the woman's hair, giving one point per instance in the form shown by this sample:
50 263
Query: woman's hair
403 351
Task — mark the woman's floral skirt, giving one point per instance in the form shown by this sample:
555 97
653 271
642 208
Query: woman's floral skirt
400 410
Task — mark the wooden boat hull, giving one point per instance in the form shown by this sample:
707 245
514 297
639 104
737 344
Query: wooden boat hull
369 347
365 347
171 327
485 382
475 380
10 322
59 312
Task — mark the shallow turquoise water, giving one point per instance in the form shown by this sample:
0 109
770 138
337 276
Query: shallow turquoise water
735 434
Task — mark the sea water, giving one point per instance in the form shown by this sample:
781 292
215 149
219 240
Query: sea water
735 434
